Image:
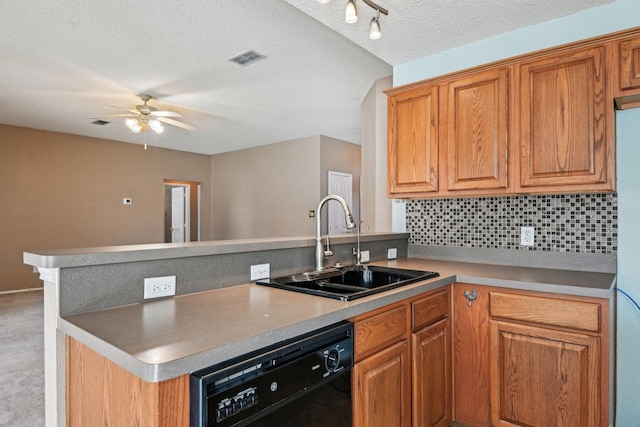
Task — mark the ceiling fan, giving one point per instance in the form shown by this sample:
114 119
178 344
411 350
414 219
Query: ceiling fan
145 117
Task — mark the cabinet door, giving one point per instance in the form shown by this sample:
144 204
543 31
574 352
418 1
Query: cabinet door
630 64
543 377
413 141
471 351
566 124
431 375
382 388
477 131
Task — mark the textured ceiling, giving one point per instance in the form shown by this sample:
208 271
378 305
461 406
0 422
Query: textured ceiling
63 61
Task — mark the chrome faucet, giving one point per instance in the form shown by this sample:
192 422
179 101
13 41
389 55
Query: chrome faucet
320 252
356 252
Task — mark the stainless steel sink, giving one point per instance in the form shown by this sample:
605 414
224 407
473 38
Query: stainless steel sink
349 283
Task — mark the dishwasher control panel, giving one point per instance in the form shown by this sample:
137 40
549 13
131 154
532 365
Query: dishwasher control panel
245 390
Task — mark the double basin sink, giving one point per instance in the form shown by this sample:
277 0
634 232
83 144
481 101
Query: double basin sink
349 283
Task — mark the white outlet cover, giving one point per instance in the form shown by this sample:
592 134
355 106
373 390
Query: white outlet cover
392 253
527 236
260 271
364 256
158 287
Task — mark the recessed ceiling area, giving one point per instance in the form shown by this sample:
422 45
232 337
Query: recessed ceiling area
64 63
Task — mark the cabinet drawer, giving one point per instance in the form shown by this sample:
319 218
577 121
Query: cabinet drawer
379 331
427 310
547 311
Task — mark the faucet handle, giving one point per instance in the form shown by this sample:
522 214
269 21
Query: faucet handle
328 253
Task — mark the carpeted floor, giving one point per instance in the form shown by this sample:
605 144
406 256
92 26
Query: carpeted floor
22 359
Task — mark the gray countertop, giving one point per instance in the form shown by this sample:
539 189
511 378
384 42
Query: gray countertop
162 339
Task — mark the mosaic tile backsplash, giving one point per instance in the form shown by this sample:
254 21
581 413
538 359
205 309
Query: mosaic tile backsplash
585 223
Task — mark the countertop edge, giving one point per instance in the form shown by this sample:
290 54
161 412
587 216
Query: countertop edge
80 257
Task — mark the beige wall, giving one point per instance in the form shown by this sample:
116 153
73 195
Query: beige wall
62 191
268 191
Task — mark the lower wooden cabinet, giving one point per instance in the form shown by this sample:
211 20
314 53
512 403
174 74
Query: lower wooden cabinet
431 360
526 358
471 349
101 393
543 377
402 371
382 388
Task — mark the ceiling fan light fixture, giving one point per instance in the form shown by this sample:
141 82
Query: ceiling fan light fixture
134 125
351 12
374 28
156 126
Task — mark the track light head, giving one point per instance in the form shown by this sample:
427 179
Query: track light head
374 28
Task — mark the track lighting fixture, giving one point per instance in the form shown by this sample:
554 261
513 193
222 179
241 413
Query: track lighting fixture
351 16
374 28
351 12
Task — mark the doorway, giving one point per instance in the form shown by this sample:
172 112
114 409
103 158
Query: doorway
181 211
339 184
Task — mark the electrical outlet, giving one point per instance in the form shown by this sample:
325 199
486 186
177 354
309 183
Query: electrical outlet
259 271
364 256
156 287
392 253
527 236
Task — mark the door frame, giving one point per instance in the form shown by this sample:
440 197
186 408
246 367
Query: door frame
193 207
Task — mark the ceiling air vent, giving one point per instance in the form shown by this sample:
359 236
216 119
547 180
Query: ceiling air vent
100 122
249 57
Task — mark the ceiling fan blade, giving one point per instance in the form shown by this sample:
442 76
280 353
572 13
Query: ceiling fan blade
176 123
122 108
114 115
166 114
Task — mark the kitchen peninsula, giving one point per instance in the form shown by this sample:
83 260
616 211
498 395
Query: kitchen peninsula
94 303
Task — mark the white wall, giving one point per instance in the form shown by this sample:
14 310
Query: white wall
616 16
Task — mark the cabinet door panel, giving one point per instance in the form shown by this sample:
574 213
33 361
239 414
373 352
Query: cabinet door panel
630 64
477 134
563 110
413 141
431 376
542 377
382 385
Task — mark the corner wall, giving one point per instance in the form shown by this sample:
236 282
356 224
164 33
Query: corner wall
65 191
375 206
268 191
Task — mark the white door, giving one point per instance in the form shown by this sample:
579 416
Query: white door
340 185
177 214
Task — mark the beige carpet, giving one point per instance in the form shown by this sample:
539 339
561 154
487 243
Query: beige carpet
22 359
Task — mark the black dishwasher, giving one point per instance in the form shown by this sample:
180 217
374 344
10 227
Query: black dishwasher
305 381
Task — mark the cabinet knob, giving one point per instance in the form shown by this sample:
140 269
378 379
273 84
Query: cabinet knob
471 296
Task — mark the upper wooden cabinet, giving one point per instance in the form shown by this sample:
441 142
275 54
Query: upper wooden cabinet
413 142
629 58
477 131
627 86
565 123
537 123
